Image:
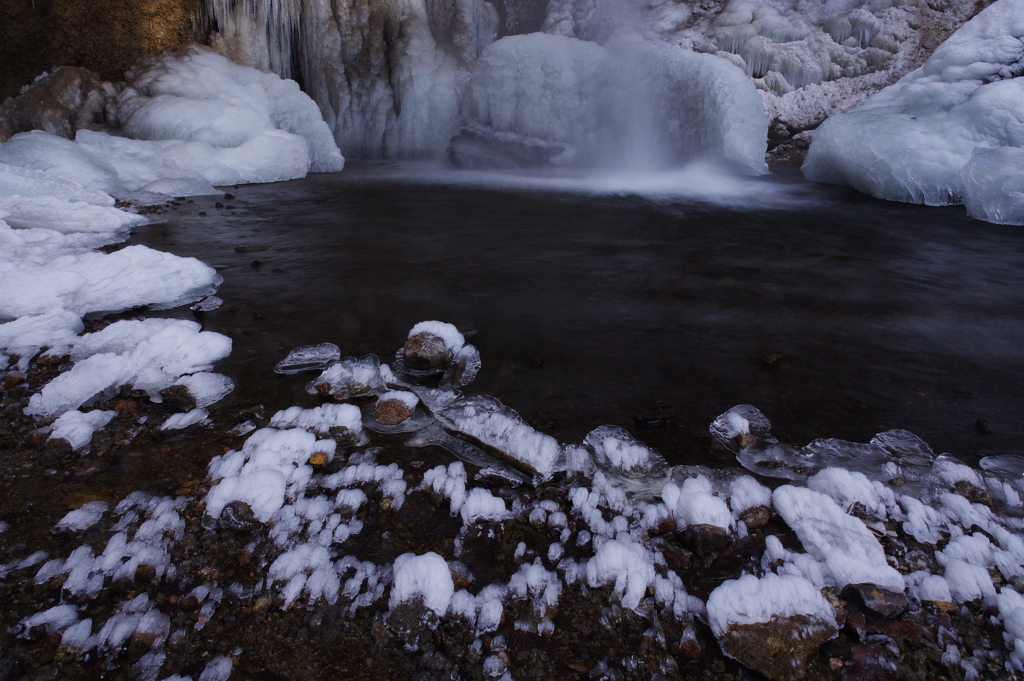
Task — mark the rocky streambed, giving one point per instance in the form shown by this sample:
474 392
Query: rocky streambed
576 577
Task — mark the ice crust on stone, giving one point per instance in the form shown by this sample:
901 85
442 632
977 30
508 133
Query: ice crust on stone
206 387
83 517
913 141
627 565
452 337
77 427
320 420
271 461
349 377
745 493
185 419
150 355
409 399
616 452
749 600
482 505
427 577
497 426
309 358
694 503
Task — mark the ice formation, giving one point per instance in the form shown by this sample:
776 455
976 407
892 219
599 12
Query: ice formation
150 355
188 120
545 90
499 427
948 132
77 428
628 104
425 577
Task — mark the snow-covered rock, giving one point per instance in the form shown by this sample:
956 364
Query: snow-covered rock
772 624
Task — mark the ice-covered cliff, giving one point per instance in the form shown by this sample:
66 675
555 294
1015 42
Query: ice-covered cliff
951 131
399 78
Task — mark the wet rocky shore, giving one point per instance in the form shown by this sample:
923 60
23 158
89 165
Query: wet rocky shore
211 606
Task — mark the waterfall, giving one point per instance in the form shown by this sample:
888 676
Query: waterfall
399 79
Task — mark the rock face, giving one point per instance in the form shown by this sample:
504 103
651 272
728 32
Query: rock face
105 36
777 649
66 100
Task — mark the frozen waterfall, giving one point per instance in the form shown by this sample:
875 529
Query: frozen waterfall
402 78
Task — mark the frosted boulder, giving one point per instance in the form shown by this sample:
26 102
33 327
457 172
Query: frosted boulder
912 141
772 624
632 103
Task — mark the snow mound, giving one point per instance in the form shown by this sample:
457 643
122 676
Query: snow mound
912 141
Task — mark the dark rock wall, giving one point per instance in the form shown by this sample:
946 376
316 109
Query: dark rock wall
106 36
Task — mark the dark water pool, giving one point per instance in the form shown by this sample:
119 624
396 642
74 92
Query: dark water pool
650 313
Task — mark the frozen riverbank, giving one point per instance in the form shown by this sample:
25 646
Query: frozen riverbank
563 576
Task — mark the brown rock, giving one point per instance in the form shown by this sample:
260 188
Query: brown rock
755 517
128 407
425 351
705 540
179 398
61 102
392 412
974 494
238 516
778 649
318 459
875 600
744 440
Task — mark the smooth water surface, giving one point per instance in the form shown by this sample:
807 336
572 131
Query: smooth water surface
594 306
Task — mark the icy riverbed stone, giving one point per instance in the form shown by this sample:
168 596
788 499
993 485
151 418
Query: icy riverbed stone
394 407
773 624
877 601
